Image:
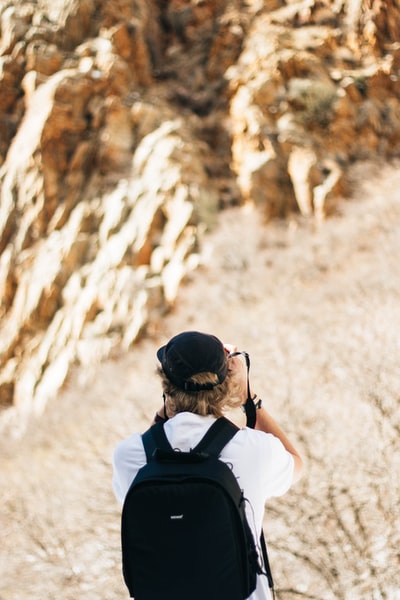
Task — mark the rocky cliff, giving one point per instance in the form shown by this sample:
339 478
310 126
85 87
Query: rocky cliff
125 126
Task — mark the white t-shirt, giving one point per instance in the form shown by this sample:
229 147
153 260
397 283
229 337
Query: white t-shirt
261 464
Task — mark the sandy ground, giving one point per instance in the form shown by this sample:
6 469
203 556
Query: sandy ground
318 309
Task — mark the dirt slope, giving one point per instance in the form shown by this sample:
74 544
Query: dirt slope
318 309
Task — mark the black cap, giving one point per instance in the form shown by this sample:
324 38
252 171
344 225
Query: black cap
190 353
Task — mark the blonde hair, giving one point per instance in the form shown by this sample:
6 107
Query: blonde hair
214 402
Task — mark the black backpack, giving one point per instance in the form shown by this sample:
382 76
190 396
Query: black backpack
184 531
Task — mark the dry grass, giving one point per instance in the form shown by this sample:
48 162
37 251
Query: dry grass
318 309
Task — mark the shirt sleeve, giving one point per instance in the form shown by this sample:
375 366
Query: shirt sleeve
279 468
268 465
129 456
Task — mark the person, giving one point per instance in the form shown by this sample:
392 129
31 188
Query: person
203 379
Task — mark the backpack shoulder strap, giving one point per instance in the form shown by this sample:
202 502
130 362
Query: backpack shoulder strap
155 438
217 436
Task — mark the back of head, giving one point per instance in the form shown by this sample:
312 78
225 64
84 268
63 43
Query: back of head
195 374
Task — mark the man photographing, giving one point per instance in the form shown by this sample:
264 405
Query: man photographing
202 380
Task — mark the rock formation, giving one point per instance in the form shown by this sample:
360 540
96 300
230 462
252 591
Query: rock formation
126 125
